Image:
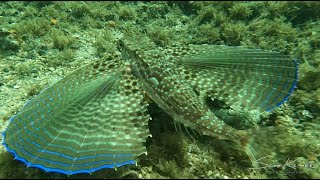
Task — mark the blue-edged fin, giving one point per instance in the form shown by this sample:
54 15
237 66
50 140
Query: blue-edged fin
251 78
92 119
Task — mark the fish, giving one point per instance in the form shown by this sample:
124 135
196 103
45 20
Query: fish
97 116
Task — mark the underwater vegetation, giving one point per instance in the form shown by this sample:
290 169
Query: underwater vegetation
43 42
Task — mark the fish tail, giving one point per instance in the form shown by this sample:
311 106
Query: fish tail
257 143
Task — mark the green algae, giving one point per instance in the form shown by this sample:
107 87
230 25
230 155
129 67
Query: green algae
42 51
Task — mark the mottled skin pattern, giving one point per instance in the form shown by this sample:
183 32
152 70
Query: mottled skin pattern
165 86
97 116
251 78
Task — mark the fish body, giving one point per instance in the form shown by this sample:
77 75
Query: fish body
170 91
97 117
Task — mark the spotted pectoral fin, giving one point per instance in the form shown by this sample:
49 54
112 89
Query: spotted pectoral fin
251 78
82 125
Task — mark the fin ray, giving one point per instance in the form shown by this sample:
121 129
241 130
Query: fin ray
80 125
251 78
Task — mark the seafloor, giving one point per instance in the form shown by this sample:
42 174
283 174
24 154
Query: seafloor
41 42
